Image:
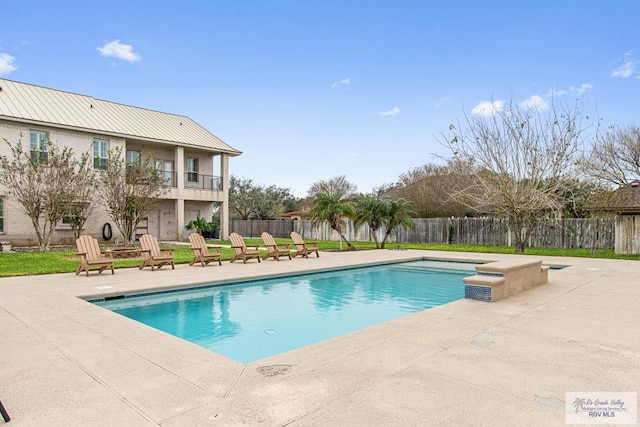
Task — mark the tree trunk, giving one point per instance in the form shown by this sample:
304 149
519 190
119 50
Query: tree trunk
36 227
374 234
517 227
348 243
386 236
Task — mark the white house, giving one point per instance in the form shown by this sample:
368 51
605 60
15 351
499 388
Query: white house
194 162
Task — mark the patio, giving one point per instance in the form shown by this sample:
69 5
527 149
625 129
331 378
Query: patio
66 362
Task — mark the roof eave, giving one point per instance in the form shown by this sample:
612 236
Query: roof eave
232 153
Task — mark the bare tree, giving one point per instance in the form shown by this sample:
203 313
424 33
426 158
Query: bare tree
614 161
615 158
129 191
332 186
523 158
428 188
45 185
77 214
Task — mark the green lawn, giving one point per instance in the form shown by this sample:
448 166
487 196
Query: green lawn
31 263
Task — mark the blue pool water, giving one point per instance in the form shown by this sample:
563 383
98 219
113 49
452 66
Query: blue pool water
253 320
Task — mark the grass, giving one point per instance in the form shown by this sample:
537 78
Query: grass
34 263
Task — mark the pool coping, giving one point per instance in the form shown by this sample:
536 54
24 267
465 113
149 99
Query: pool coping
68 363
213 283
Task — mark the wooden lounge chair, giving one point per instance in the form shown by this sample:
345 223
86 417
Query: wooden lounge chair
201 251
242 252
90 256
303 248
273 249
152 253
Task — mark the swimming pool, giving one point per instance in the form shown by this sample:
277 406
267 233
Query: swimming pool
252 320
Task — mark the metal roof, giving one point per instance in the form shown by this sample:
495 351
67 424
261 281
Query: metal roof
39 105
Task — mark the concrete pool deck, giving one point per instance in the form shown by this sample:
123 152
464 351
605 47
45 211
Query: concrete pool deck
66 362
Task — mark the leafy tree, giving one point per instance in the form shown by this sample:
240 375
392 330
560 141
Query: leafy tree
129 191
269 202
333 207
247 200
398 212
333 185
241 194
523 160
46 187
371 210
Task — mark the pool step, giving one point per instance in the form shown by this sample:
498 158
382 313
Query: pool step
497 280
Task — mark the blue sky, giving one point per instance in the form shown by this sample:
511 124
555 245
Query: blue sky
311 90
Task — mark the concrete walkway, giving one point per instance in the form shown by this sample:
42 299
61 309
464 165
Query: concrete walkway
66 362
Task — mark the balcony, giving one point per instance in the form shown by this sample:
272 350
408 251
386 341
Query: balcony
203 182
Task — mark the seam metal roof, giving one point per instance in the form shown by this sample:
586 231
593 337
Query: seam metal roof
36 104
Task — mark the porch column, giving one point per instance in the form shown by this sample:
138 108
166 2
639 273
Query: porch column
224 208
179 164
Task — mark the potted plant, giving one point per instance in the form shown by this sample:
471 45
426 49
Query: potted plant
208 229
200 225
214 230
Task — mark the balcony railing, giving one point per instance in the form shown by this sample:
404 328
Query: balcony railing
205 182
192 180
170 179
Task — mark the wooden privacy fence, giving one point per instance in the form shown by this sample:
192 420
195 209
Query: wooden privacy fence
255 227
564 233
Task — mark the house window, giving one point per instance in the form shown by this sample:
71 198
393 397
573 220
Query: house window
100 153
192 169
133 157
39 145
1 215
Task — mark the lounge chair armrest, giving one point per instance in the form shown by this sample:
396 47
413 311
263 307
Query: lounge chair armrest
169 250
237 247
284 246
142 251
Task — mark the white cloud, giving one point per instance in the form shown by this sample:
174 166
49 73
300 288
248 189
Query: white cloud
535 102
119 50
555 92
584 87
441 101
6 64
488 108
627 69
342 83
392 112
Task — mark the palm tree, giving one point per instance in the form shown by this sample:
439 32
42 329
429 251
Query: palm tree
399 212
333 207
372 211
